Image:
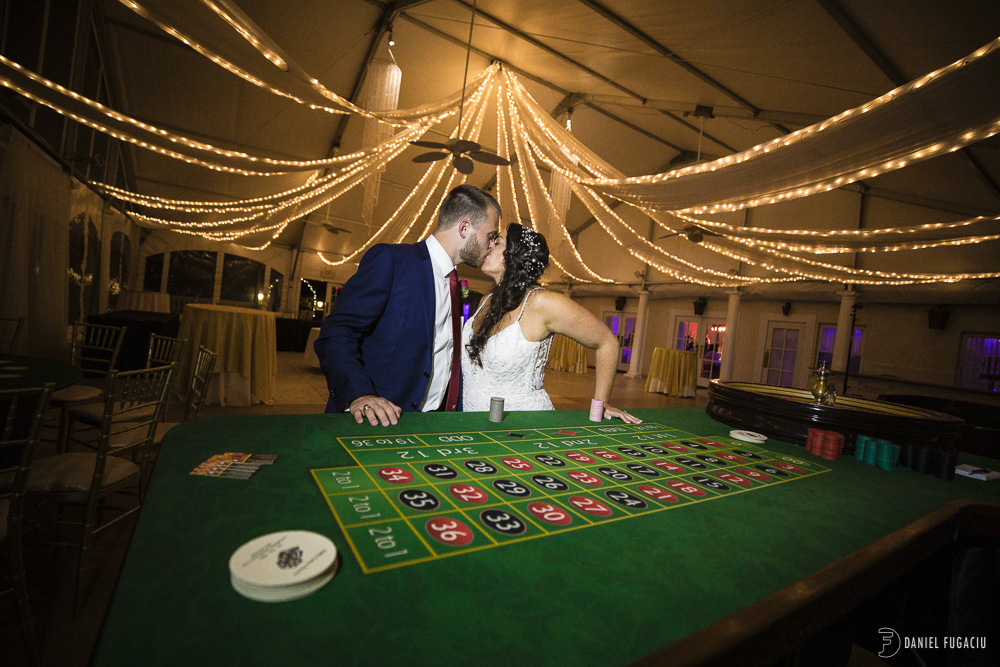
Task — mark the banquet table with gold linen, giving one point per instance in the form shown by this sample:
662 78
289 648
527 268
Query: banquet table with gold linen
673 372
244 340
567 355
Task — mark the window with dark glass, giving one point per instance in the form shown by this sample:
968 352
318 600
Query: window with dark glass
152 277
274 287
827 336
979 361
192 273
242 279
311 294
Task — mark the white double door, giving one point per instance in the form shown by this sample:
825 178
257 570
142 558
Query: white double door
786 352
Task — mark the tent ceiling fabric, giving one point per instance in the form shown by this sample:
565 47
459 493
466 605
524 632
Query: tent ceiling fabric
651 88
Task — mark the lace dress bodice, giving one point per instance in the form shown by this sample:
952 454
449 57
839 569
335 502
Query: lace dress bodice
513 369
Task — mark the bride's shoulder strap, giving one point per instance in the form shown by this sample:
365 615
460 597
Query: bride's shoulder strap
482 302
524 303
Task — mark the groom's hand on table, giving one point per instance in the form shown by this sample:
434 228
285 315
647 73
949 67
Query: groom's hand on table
378 410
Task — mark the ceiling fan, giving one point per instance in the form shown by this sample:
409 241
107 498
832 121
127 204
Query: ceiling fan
463 151
693 233
333 229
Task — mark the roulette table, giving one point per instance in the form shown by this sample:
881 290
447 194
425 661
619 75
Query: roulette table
788 414
543 539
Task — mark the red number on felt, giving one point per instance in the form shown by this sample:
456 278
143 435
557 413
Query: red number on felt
584 477
468 493
449 531
657 492
590 506
516 464
549 513
395 475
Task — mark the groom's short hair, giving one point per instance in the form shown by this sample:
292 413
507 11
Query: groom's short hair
466 202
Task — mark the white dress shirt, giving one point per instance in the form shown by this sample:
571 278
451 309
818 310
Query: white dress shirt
441 346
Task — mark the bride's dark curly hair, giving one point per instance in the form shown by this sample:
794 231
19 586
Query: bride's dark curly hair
525 257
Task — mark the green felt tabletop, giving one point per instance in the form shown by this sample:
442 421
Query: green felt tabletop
21 372
607 594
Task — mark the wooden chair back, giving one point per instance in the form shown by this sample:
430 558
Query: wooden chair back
21 414
164 350
10 330
203 366
96 347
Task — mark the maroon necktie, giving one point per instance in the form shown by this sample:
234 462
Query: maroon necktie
451 402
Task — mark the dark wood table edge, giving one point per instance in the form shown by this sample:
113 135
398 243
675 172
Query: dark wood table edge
768 629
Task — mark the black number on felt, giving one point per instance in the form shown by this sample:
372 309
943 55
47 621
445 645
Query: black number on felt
424 501
710 483
511 488
771 471
631 452
481 467
653 449
502 522
615 473
691 463
550 460
693 445
550 483
440 471
626 499
640 469
749 455
710 459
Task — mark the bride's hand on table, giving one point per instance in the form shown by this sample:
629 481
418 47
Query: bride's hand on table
615 413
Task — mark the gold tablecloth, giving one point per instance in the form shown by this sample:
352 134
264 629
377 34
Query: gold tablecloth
567 355
673 372
151 302
244 339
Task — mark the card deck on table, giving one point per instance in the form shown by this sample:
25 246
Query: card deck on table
236 465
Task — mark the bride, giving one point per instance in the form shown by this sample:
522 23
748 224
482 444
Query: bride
506 343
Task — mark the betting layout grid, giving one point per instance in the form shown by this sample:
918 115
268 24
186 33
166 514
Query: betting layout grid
413 498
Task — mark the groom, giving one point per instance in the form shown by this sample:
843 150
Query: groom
387 346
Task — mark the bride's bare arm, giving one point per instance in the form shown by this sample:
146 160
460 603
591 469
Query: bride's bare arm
551 312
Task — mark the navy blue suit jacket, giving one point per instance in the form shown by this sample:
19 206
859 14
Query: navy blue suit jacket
378 338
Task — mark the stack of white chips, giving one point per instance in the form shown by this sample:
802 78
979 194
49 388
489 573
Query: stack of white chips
749 436
596 410
283 566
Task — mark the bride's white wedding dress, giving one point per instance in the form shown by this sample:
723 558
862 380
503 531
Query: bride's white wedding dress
513 369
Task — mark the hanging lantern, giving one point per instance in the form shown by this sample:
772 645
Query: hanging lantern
380 93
